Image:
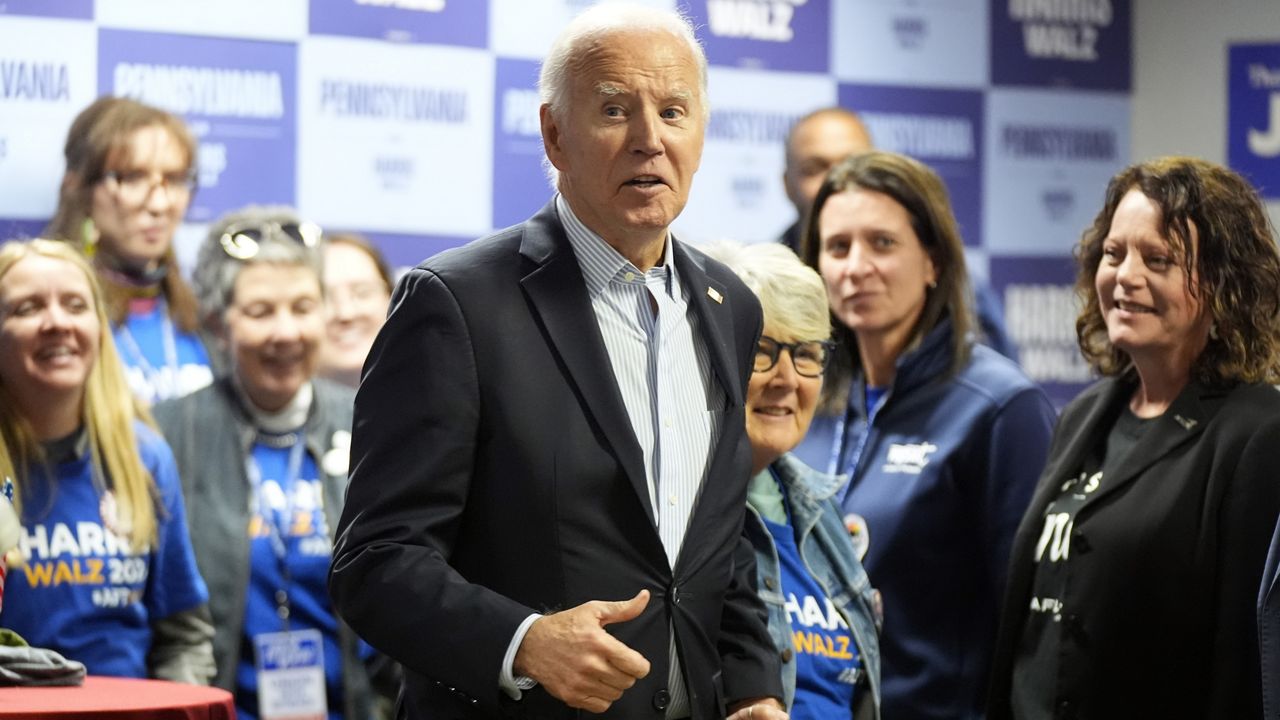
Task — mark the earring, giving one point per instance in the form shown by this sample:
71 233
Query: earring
933 284
1213 331
89 237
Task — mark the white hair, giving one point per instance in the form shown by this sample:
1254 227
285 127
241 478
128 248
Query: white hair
606 18
792 295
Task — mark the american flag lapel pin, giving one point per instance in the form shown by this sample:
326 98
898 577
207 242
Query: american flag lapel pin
715 295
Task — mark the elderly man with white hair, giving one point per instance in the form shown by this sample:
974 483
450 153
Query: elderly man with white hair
549 460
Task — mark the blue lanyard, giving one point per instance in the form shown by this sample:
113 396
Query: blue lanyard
278 527
170 347
838 439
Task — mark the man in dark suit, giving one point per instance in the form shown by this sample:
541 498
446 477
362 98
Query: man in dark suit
549 463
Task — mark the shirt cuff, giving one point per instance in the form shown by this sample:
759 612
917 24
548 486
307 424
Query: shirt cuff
510 684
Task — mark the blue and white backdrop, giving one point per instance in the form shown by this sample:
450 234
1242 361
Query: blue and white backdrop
415 121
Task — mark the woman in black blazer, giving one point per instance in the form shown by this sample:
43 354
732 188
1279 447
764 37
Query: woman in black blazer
1135 570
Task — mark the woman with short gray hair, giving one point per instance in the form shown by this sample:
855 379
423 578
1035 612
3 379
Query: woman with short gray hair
806 566
263 458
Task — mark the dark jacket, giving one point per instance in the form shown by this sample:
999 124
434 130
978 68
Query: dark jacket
211 435
1269 630
1165 558
495 473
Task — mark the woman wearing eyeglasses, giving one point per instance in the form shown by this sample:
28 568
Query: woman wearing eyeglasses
263 458
822 610
129 179
942 439
109 578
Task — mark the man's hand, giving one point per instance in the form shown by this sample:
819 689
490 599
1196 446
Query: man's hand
575 660
766 708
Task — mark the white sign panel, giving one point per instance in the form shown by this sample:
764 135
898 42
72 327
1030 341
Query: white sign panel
408 150
738 194
47 76
911 42
256 19
526 28
1049 158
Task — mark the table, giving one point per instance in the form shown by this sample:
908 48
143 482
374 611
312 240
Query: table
109 697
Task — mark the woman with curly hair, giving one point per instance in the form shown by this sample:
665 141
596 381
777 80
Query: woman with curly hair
1135 571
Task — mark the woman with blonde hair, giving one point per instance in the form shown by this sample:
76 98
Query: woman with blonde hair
129 180
109 576
823 615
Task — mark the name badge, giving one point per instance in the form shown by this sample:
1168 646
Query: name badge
291 676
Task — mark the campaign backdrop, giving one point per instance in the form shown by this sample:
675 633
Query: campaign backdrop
1253 114
416 121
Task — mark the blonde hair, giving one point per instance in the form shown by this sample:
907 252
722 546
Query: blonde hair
792 295
108 413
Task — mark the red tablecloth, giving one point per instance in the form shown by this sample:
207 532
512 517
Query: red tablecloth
107 697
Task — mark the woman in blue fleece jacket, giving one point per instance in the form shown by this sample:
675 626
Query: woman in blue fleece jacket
942 439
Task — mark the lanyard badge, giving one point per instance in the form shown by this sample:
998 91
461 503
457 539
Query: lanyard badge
290 667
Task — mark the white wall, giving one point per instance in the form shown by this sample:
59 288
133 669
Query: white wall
1180 73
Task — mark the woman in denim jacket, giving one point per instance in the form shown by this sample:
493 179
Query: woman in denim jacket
823 613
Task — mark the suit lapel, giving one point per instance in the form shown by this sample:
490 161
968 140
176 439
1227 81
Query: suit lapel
711 303
558 294
1185 419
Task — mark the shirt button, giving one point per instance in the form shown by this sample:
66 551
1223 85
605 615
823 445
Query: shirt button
672 499
786 655
769 583
629 276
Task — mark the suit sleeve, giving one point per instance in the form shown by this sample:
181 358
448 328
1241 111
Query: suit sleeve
412 456
1245 521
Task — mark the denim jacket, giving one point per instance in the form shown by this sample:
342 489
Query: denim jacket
828 554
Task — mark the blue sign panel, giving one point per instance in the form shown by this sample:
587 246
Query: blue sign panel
1081 44
444 22
1253 116
520 185
941 128
1040 310
82 9
238 96
765 34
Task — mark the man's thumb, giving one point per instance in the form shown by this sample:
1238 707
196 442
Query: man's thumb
624 610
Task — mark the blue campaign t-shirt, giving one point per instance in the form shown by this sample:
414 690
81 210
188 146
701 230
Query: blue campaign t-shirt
82 590
296 506
161 360
826 656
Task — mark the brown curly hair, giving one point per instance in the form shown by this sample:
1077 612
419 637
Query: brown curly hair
1234 255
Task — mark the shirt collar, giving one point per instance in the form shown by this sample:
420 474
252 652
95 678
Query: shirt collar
601 263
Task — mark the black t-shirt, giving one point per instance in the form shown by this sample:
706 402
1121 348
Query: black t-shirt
1035 669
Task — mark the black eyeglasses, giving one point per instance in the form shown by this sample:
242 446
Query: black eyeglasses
135 186
242 241
809 357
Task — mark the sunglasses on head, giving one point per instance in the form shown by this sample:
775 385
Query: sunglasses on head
242 241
